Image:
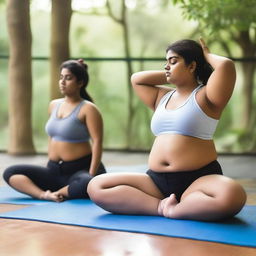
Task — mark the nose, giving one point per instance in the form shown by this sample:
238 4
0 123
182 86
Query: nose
166 66
62 80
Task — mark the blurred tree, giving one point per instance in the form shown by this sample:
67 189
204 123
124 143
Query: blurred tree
60 25
122 20
19 77
237 21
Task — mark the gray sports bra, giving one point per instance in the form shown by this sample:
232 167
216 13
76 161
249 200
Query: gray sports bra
70 128
188 119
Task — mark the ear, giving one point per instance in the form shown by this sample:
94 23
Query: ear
192 66
80 84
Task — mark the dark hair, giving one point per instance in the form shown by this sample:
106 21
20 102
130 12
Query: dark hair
80 70
191 51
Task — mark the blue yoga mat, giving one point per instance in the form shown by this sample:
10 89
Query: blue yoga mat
11 196
240 230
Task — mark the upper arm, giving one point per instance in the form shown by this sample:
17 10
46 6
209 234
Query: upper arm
221 84
93 121
147 85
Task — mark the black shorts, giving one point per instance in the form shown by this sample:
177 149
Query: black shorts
177 182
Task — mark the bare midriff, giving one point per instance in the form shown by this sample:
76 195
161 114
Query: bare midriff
66 151
173 153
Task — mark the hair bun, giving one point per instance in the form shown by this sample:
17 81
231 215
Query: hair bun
81 62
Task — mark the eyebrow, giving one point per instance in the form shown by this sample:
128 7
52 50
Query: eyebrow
68 74
173 57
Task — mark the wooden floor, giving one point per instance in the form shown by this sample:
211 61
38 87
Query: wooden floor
32 238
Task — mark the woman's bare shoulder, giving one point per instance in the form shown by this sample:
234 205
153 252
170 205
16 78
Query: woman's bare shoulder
53 103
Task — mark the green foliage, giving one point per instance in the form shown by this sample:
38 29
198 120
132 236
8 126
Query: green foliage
4 45
220 14
151 38
4 99
40 26
108 90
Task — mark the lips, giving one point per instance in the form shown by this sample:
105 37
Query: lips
62 90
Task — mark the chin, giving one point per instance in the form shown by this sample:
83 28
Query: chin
168 79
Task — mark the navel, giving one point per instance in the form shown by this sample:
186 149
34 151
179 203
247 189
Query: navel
165 163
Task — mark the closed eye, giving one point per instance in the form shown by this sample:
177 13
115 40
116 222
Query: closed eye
172 60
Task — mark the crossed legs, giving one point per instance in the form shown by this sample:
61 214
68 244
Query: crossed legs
47 183
25 185
209 198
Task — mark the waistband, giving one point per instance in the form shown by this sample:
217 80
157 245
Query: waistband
81 159
213 167
68 167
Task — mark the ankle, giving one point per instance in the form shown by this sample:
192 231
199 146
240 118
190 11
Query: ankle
44 195
160 207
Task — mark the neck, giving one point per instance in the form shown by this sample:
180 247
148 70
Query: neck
186 88
73 99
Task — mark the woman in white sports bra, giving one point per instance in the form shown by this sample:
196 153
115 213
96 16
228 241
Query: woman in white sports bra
184 180
75 130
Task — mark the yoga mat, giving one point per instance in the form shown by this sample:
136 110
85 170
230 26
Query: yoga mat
240 230
11 196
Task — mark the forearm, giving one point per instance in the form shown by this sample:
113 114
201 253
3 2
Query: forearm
214 60
96 157
150 78
221 83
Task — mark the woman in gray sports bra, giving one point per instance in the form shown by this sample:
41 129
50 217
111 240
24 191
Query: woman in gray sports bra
184 180
75 132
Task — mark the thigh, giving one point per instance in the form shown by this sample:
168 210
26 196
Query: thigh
217 195
216 186
80 175
140 181
31 171
41 176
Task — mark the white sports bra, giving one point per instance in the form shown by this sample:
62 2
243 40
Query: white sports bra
188 119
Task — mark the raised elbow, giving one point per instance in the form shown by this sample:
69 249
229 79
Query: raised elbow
228 64
134 79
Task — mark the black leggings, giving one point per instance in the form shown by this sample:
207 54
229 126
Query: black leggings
57 175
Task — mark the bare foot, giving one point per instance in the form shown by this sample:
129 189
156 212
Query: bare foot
161 205
59 196
169 205
51 196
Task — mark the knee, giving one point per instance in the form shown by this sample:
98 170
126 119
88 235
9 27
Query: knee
234 197
95 189
8 173
78 186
